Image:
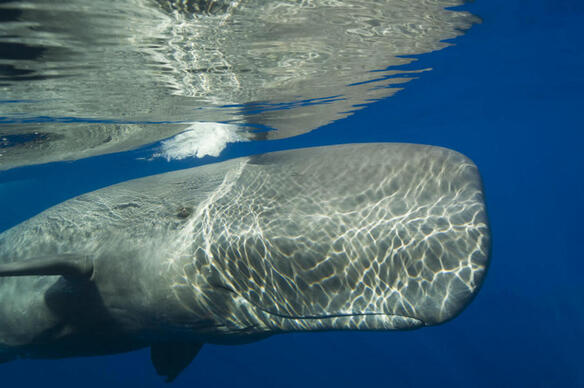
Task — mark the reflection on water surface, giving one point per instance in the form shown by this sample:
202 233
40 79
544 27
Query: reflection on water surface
80 78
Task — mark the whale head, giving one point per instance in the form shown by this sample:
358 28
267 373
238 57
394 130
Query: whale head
366 237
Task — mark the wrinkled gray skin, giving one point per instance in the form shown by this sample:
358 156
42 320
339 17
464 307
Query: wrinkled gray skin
365 237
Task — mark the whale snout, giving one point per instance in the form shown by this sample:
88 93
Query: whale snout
402 243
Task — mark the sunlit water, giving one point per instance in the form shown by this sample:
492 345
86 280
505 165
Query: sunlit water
142 71
80 79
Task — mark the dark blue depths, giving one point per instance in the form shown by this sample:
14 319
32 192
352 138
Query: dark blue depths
508 95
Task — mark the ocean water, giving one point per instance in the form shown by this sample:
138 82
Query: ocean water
90 97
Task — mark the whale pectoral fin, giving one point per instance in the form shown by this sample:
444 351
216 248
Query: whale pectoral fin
68 265
171 358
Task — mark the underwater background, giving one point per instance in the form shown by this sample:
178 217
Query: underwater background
507 92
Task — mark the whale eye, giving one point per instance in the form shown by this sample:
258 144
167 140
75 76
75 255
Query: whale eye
184 212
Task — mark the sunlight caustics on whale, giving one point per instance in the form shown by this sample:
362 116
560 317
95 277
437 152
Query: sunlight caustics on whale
350 237
145 70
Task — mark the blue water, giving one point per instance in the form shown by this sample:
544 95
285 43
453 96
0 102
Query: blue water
509 95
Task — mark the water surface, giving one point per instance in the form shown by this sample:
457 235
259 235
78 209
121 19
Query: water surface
84 78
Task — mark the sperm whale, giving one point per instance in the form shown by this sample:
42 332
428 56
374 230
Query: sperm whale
380 236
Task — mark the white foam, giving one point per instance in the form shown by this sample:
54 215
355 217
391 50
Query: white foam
201 139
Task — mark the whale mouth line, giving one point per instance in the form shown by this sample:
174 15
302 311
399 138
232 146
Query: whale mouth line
417 322
340 315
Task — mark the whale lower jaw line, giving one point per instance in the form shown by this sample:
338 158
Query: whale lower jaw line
341 321
366 321
355 321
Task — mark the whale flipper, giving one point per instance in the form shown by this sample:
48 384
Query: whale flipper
68 265
169 359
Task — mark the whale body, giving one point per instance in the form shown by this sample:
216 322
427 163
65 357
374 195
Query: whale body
351 237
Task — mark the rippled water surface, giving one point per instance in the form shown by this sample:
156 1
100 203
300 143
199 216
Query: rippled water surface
82 78
94 93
